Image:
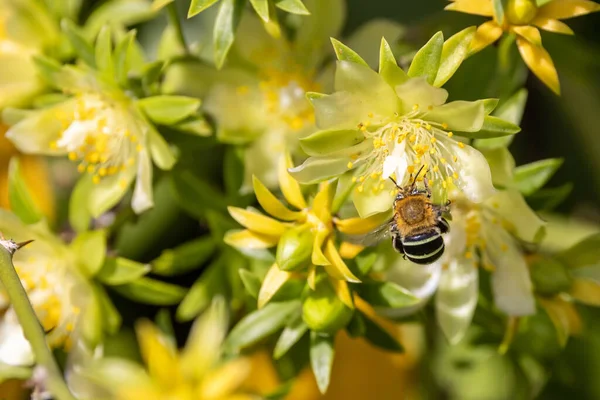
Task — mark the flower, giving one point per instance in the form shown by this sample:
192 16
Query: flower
304 238
523 18
58 292
484 235
392 124
195 372
102 128
26 28
258 99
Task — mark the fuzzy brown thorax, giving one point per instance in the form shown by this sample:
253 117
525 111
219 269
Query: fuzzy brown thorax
414 214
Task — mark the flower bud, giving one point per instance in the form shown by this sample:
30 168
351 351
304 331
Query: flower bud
294 248
520 12
323 311
549 276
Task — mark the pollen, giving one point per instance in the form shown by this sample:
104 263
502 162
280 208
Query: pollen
428 127
450 134
444 125
461 145
354 179
81 168
410 169
433 140
436 168
123 183
90 169
415 107
468 254
96 179
361 179
53 145
72 156
349 165
370 115
360 189
443 160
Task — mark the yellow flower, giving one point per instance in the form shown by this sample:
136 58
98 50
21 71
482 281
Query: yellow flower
304 238
195 372
523 18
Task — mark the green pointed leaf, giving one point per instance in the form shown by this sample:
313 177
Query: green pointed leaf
388 66
103 53
292 6
549 199
511 111
90 249
259 324
489 105
184 258
356 327
110 316
454 52
310 96
119 271
152 72
291 334
584 254
226 23
123 58
168 110
319 169
262 8
531 177
197 6
251 282
196 196
194 126
162 155
328 141
12 116
79 215
379 337
151 291
19 196
321 358
80 44
386 294
51 70
427 60
493 127
91 321
209 285
345 53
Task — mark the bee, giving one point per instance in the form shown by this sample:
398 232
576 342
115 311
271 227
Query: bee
416 226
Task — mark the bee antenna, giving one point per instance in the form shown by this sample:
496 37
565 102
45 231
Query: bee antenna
392 179
417 175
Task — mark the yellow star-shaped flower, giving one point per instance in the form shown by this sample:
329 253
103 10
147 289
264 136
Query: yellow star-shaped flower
523 18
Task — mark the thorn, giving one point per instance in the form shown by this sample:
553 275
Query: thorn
23 244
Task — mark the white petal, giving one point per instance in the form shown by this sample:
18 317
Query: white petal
456 298
474 176
389 166
14 348
511 283
512 207
417 91
142 194
396 162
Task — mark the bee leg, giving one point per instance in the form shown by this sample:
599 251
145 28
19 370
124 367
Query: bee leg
427 188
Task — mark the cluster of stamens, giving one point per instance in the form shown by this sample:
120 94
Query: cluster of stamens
97 137
425 145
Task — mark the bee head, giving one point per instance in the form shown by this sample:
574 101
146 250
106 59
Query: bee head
404 191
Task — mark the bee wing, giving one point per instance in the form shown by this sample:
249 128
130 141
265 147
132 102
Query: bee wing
372 238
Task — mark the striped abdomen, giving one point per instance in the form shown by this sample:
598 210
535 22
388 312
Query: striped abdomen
424 248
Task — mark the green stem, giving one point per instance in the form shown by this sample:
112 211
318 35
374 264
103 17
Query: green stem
174 20
31 327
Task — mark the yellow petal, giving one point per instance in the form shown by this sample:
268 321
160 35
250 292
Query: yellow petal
322 202
564 317
361 226
338 269
245 239
312 277
274 279
477 7
289 186
486 34
159 354
364 307
552 25
539 62
257 222
530 33
563 9
342 291
317 257
271 204
350 250
225 380
586 291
